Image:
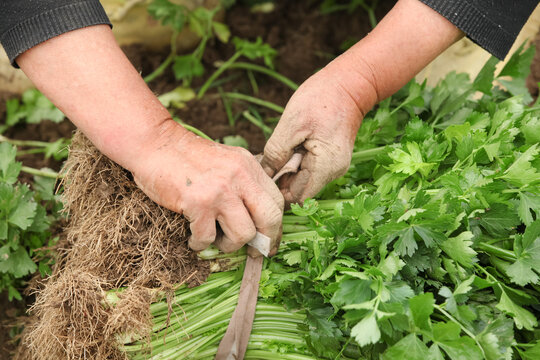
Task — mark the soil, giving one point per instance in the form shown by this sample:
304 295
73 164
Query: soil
305 40
534 77
10 311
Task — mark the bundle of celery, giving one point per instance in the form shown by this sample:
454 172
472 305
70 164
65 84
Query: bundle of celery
199 320
428 248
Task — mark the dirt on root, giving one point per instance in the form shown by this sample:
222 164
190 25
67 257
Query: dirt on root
115 237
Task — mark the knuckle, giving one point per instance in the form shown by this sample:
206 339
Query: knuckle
342 166
246 235
272 150
205 199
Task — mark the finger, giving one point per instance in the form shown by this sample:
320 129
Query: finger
203 232
266 209
318 168
237 225
280 147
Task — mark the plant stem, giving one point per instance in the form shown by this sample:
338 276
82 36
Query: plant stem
497 251
32 143
227 106
248 66
465 330
254 100
216 74
161 68
366 155
44 173
265 128
193 129
253 82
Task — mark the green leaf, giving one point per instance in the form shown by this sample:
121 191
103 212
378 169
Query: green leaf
391 265
16 263
422 307
168 13
532 353
9 168
446 331
435 353
293 257
484 80
464 348
352 291
409 162
527 248
177 98
459 248
410 348
255 50
187 67
529 129
521 172
366 331
499 220
497 339
222 31
518 66
14 112
446 335
235 140
522 318
22 215
309 208
406 244
365 209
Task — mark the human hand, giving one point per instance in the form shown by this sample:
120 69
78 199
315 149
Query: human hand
323 118
210 182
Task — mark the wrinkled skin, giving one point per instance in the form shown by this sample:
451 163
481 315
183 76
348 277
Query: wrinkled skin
322 118
211 182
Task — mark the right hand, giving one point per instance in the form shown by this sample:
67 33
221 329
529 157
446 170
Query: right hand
209 182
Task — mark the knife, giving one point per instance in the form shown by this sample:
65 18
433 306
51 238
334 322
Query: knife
234 344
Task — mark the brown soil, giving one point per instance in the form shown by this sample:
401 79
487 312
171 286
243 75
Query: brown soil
305 40
534 77
10 313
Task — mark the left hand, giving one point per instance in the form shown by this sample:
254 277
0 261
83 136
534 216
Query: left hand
323 118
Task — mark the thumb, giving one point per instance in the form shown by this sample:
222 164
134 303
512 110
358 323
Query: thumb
280 147
276 154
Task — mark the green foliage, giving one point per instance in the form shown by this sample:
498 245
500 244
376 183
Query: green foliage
24 224
201 22
430 250
255 49
33 108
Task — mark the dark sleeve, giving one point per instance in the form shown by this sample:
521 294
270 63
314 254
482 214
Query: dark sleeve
26 23
492 24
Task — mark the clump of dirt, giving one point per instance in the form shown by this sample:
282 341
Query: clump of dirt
534 78
116 237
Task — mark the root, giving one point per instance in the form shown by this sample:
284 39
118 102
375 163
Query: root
116 237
